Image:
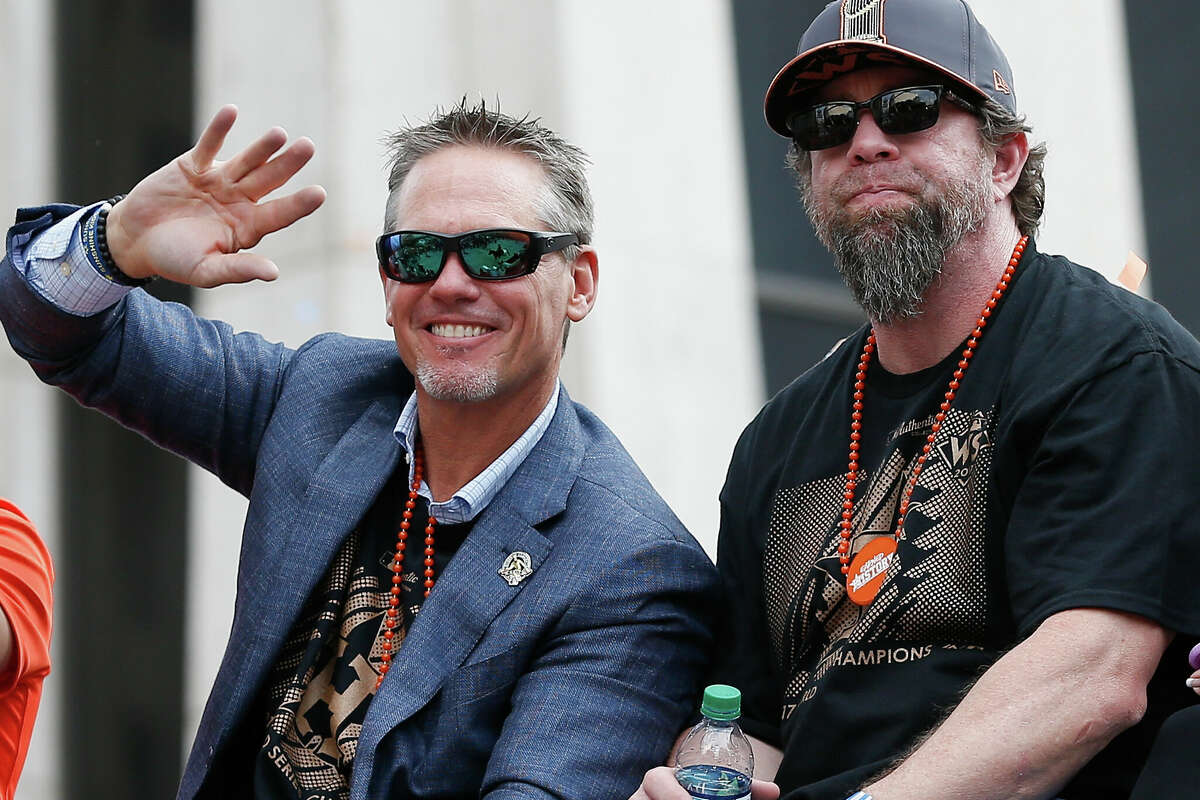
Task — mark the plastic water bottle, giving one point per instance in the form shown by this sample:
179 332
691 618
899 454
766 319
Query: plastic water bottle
714 759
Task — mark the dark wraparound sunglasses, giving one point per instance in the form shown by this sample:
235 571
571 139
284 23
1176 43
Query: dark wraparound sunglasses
906 110
491 254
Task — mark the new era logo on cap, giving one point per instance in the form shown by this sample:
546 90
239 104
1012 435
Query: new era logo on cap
1000 83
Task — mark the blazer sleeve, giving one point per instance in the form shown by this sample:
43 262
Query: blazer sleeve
609 692
188 384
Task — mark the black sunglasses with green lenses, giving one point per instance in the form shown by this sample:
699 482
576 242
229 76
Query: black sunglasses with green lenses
491 254
905 110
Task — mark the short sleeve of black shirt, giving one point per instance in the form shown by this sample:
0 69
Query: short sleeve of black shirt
1106 515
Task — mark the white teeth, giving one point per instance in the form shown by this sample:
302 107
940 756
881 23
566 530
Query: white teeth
457 331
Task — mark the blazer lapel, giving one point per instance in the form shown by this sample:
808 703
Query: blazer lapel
297 552
471 593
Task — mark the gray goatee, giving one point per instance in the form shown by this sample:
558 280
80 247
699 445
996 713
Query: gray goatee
888 258
460 385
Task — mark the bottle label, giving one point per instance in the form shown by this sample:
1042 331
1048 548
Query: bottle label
710 782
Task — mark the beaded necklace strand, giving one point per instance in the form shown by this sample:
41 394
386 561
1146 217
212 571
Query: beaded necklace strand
865 575
393 612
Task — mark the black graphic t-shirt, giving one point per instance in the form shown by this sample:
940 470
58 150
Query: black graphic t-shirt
1046 489
317 695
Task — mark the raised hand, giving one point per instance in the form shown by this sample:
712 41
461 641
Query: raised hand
190 221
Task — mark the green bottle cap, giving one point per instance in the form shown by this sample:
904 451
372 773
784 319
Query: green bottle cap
721 702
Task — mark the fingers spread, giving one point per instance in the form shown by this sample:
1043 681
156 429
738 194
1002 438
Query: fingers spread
268 177
276 214
256 154
218 270
213 137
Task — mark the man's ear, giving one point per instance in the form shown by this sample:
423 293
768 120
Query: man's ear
585 275
1011 156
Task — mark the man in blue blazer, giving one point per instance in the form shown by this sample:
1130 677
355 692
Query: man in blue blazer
454 584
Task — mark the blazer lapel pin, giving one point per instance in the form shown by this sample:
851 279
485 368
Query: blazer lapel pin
516 568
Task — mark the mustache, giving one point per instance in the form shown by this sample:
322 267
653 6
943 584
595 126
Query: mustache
848 186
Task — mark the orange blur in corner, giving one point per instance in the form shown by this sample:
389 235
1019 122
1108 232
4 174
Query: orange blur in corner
26 581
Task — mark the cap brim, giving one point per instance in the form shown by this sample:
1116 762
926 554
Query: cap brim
830 60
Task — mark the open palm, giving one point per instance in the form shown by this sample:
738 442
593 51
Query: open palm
192 220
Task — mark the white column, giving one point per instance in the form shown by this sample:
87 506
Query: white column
28 436
1070 66
671 360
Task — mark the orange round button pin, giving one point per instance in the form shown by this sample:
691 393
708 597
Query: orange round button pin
869 568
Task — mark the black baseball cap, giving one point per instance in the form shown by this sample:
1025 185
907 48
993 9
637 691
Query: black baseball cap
941 35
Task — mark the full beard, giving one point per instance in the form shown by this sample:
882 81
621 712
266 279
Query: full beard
889 257
457 384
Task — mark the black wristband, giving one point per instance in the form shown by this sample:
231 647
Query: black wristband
109 268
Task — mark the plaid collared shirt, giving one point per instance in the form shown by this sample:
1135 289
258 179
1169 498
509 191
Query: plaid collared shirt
470 500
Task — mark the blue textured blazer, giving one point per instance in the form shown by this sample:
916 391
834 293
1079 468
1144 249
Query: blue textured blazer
570 684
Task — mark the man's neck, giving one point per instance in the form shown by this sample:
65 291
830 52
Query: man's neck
461 439
951 305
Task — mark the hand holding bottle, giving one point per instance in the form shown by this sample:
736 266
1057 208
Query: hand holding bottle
714 759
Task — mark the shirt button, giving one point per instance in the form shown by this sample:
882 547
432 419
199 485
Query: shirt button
65 269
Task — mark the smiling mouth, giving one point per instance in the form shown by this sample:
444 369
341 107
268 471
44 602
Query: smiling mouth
458 331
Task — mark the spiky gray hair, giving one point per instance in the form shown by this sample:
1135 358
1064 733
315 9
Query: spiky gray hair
567 205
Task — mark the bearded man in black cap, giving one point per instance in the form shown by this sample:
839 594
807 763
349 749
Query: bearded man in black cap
956 551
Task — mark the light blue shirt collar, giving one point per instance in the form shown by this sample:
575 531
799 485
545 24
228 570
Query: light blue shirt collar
469 501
